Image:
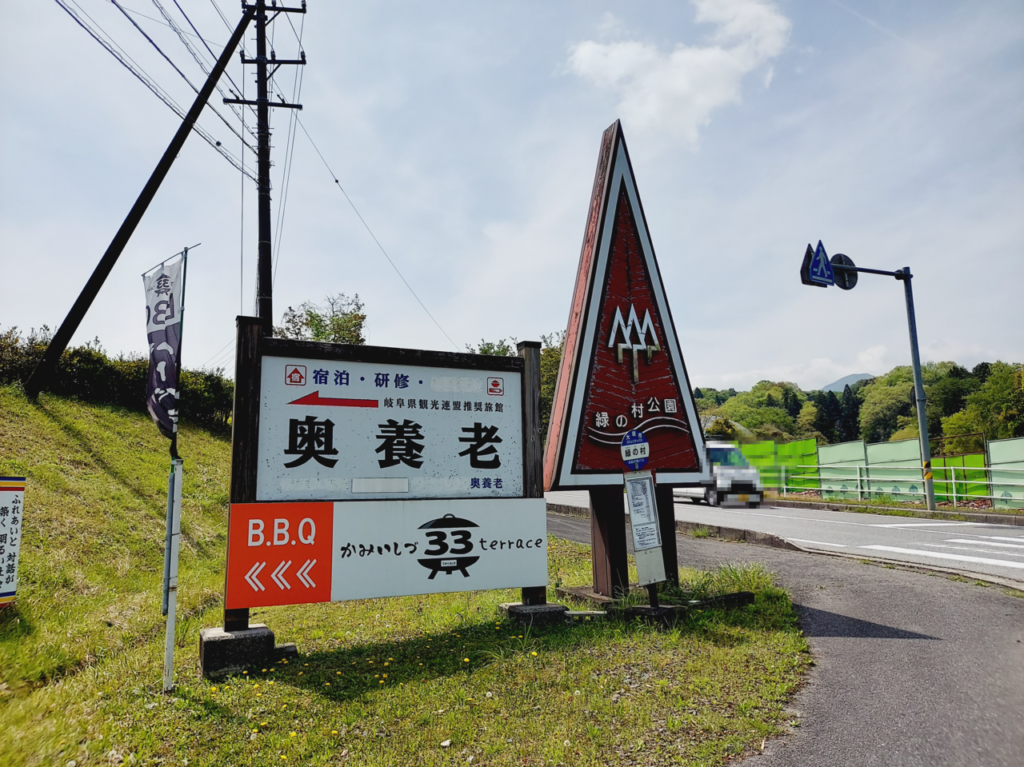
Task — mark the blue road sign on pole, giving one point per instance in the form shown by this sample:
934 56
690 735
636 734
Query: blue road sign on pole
635 450
821 269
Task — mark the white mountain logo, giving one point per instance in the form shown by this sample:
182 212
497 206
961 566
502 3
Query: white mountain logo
646 338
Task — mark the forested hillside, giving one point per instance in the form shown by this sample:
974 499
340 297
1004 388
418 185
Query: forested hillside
964 407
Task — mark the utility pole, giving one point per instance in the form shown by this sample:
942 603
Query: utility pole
238 619
264 269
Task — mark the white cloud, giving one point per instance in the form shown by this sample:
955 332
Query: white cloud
677 92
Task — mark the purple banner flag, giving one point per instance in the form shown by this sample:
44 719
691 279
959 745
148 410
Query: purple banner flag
164 294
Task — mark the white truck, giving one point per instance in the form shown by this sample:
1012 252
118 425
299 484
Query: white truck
733 480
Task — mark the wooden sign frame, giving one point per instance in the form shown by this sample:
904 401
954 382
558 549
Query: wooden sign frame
252 347
615 191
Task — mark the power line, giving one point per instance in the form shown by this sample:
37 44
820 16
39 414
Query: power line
367 226
125 60
164 23
205 69
289 150
175 66
218 354
153 43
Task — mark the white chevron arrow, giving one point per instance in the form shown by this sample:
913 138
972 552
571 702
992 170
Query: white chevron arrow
278 575
250 576
303 574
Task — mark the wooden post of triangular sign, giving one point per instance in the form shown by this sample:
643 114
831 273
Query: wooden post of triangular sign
622 372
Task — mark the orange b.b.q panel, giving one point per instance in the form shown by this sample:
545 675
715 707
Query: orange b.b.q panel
279 554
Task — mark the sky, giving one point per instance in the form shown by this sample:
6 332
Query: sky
466 136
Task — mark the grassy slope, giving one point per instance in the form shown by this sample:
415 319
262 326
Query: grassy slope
92 553
380 682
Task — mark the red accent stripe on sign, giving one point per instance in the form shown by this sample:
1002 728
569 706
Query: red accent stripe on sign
314 398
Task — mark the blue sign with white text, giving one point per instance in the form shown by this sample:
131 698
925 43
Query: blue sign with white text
635 450
821 269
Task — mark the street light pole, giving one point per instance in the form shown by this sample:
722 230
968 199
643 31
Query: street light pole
922 417
818 271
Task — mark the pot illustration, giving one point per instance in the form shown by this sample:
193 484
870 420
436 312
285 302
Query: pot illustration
450 542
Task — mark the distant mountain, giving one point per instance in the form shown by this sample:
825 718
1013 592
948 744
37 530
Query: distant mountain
842 383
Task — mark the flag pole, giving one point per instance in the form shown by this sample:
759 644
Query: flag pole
173 534
174 489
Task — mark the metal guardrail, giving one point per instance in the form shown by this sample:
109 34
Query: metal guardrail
864 480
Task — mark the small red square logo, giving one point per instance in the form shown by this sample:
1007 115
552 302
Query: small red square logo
295 375
496 387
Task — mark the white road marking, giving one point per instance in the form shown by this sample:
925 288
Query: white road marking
817 543
941 555
930 524
1019 539
987 543
789 516
972 548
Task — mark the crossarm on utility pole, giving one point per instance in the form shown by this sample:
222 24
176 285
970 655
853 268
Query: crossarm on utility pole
62 337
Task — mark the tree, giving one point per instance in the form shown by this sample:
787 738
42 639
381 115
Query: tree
550 361
883 405
964 433
949 394
791 402
721 428
997 407
500 348
340 321
805 423
906 428
829 416
849 414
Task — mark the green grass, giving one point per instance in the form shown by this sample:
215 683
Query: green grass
379 682
95 514
891 506
702 532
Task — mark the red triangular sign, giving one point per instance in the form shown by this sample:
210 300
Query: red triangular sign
622 370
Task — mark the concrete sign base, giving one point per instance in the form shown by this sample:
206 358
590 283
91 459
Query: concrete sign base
231 652
535 615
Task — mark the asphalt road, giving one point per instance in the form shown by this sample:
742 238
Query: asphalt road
911 668
971 547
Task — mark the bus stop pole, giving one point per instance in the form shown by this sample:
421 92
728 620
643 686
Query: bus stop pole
922 416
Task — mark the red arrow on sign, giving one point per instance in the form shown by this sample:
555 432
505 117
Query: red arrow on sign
315 399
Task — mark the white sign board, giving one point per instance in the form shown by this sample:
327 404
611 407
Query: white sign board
342 430
299 553
643 510
12 503
643 519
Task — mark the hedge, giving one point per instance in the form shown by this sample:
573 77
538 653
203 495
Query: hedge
87 373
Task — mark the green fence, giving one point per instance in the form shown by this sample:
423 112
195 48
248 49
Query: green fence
775 461
855 470
1005 456
901 476
762 455
799 462
960 478
839 467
